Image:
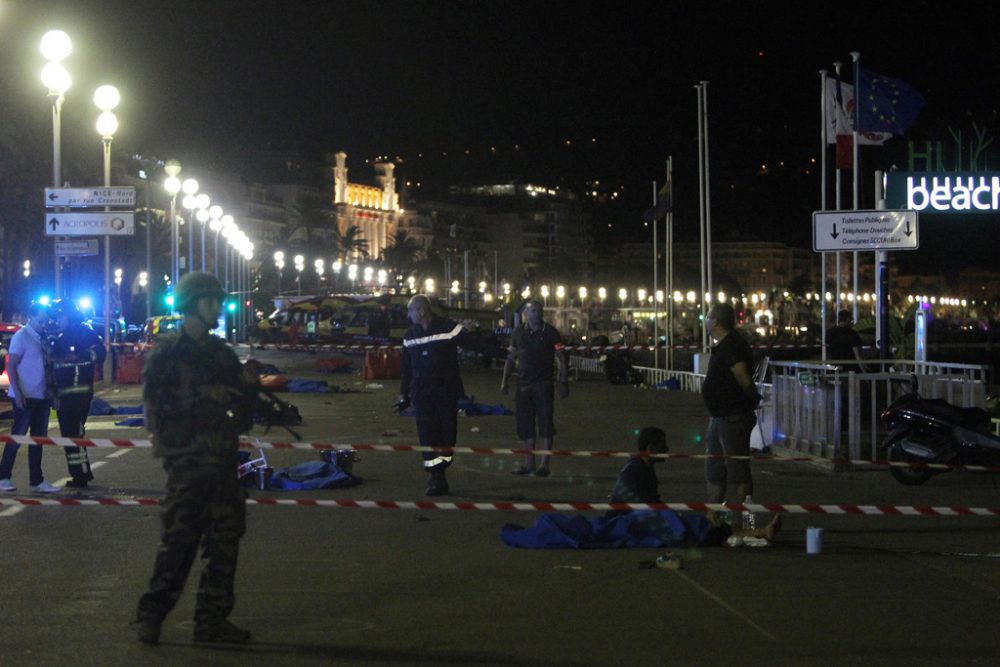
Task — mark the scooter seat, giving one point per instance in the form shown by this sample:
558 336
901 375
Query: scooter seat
974 418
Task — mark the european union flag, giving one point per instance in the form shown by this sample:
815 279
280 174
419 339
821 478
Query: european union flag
664 204
885 104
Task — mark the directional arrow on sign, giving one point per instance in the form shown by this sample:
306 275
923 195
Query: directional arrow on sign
54 223
844 231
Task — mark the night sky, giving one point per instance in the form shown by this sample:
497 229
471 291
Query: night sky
557 93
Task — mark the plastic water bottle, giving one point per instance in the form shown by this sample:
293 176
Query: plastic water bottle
749 522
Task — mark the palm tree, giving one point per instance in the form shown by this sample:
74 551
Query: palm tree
312 225
349 244
402 254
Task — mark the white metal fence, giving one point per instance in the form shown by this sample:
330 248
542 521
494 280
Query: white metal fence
829 411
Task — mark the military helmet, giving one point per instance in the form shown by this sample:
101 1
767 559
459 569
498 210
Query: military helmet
194 286
65 308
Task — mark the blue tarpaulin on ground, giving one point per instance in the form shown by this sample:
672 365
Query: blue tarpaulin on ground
312 475
301 386
639 528
470 408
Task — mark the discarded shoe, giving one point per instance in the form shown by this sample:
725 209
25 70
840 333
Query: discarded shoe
148 629
669 561
45 487
220 631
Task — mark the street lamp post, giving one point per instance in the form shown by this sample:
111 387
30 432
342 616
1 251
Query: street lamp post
225 222
203 201
55 47
146 173
190 202
215 215
300 264
279 264
144 286
320 268
107 98
118 288
173 185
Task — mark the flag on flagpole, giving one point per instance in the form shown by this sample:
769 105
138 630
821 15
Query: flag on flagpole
886 105
664 204
840 125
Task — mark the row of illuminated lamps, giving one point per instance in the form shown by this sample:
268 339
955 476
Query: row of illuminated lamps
56 46
368 273
205 212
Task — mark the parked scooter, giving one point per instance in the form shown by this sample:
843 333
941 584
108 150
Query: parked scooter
936 436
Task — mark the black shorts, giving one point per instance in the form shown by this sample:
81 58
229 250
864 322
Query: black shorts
533 404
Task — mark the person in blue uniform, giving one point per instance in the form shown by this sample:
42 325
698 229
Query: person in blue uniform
74 354
432 383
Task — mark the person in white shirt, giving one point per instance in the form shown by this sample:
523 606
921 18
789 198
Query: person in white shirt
28 391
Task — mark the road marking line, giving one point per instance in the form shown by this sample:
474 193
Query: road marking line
11 511
725 606
120 452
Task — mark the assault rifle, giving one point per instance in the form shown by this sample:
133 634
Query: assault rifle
265 407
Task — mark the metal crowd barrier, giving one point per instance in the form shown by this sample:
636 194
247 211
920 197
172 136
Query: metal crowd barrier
829 411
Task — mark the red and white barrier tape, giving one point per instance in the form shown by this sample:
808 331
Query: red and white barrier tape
482 451
838 509
359 347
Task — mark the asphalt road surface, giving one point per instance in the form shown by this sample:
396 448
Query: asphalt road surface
396 587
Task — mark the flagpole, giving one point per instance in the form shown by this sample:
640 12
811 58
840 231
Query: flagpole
822 206
838 288
856 57
701 219
708 207
669 259
656 284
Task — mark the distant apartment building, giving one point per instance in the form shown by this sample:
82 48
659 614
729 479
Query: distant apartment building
757 266
510 231
978 284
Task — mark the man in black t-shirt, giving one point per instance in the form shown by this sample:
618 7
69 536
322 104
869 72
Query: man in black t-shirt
537 347
842 341
731 398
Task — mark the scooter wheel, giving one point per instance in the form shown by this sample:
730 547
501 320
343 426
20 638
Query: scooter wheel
906 475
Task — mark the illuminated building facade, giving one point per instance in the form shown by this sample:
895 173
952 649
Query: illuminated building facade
373 209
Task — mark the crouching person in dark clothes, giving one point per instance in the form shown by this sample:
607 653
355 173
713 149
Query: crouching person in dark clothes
75 352
431 381
637 483
192 396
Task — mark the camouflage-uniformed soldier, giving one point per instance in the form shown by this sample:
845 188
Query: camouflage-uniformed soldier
193 384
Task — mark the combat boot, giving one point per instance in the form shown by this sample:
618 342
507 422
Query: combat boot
437 485
148 629
220 631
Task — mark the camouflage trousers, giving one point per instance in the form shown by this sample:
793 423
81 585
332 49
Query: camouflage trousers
206 506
